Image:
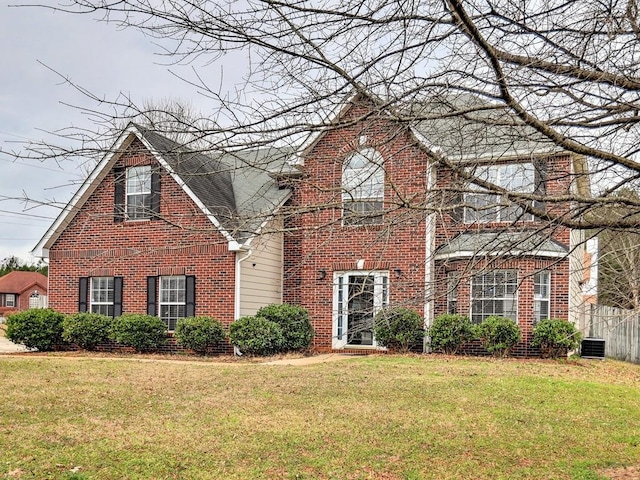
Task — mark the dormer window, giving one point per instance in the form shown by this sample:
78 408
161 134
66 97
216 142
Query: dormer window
138 192
363 188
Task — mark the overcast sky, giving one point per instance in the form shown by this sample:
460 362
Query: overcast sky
94 55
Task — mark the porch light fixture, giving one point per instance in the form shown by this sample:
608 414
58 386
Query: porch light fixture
321 274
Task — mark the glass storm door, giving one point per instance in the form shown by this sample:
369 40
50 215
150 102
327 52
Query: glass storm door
357 298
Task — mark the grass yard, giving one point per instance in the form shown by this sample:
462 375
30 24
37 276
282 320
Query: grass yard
365 418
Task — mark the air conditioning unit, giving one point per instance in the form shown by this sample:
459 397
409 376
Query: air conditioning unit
592 348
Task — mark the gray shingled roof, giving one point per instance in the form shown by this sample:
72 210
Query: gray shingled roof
256 193
467 127
502 243
235 187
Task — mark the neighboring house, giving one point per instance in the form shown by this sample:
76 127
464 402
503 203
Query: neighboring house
21 291
362 217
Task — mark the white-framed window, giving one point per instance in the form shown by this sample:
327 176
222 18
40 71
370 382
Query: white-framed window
452 292
172 300
494 293
357 297
102 295
10 300
363 188
485 207
138 192
35 301
541 296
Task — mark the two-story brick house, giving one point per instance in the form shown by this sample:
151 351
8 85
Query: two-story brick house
368 213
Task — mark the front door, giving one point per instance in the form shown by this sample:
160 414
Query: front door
358 296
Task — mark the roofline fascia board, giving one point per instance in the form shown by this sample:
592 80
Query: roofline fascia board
510 253
70 210
234 246
330 119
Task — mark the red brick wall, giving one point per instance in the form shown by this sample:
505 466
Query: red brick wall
182 242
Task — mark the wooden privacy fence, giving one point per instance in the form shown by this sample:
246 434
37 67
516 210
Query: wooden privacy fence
619 328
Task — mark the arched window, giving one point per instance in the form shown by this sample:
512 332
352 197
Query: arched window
363 188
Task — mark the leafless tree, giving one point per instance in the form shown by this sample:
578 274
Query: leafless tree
567 70
560 73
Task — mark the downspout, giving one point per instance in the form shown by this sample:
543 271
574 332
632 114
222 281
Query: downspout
429 259
237 286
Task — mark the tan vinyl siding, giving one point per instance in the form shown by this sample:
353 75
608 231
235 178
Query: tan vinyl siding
261 273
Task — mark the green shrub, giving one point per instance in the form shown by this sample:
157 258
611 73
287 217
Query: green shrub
199 333
142 332
39 328
449 332
398 328
256 336
498 335
555 337
294 322
86 329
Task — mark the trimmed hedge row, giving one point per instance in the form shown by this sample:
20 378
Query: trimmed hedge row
279 329
498 335
274 329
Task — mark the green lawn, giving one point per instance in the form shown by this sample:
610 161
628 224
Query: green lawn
366 418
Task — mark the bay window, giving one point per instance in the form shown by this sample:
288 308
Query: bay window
494 293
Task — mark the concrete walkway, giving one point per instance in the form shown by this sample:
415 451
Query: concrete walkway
322 358
7 346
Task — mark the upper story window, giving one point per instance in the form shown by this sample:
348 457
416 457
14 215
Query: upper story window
484 207
363 188
138 192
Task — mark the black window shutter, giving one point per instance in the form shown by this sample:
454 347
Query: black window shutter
152 296
155 195
540 182
117 296
119 194
190 296
83 294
